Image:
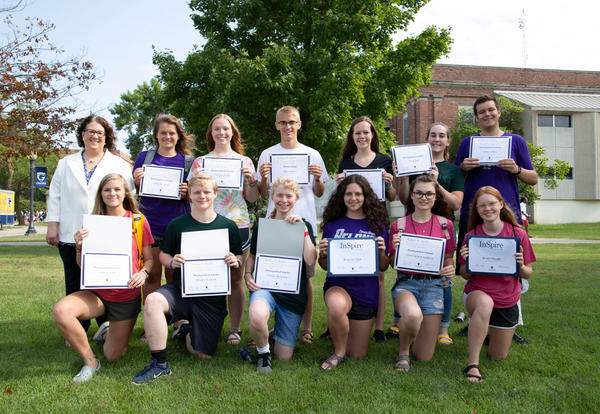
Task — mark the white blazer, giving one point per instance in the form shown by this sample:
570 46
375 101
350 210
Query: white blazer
70 197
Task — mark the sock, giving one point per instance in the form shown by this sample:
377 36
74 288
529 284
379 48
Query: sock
264 349
160 356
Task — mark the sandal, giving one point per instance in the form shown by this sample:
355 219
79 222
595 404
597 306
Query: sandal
479 378
444 339
393 332
329 362
402 363
234 338
307 336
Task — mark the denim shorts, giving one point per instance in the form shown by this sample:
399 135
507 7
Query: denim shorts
287 323
428 292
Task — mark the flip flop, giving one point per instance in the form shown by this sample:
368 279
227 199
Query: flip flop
444 339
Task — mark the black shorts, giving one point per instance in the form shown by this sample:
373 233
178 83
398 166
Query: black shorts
361 313
245 237
505 318
206 319
121 311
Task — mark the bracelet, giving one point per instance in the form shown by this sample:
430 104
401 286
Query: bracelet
253 184
388 188
171 264
146 272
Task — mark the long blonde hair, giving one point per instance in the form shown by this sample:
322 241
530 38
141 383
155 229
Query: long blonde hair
129 203
288 184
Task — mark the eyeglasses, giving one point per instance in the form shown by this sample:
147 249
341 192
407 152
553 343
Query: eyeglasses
287 123
428 195
94 132
487 205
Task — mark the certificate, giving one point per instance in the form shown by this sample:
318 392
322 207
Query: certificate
375 179
493 255
161 182
420 254
278 273
227 172
412 159
352 257
294 166
490 150
205 277
106 252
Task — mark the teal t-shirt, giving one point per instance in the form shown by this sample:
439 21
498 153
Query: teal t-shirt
450 176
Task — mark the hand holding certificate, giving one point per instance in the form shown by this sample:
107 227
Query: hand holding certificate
352 257
493 255
420 254
227 172
161 182
294 166
490 150
412 159
375 179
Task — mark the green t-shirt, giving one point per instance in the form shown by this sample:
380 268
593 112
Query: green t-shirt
450 176
293 303
171 244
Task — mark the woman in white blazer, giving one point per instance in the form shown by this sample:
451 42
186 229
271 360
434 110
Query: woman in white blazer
73 189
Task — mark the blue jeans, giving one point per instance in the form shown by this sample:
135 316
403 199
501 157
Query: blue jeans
428 293
287 323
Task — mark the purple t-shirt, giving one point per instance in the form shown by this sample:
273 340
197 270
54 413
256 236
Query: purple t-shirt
160 211
363 290
502 180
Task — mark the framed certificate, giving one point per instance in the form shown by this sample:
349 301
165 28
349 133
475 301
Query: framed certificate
375 179
227 172
412 159
205 277
105 270
161 182
493 255
278 273
352 257
294 166
490 150
420 254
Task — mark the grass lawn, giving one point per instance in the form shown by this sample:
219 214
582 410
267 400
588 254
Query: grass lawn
585 231
558 372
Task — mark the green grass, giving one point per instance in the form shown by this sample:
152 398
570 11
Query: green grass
21 237
584 231
558 372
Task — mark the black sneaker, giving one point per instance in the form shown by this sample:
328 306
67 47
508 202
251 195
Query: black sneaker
263 363
378 336
182 329
519 339
392 333
464 331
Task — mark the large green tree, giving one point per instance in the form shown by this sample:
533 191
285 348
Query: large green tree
334 60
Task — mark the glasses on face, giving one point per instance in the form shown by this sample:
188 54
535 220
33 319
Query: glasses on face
93 132
428 195
283 124
486 205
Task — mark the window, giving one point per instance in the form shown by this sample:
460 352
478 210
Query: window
557 121
550 174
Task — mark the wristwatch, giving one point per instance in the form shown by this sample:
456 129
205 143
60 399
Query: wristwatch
518 171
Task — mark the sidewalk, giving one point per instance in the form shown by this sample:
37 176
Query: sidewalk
20 230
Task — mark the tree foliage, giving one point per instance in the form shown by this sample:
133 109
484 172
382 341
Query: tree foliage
334 60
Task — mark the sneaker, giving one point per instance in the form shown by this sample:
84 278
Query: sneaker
86 373
151 372
464 331
263 363
378 336
519 339
182 329
393 332
102 329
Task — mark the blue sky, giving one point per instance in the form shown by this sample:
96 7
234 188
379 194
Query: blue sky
117 36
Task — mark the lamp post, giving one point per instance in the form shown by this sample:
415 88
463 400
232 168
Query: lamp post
32 157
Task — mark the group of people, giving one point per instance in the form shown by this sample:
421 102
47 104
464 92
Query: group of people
96 181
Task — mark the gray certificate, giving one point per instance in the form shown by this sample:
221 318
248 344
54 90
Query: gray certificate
412 159
161 182
375 179
493 255
490 150
294 166
420 254
227 172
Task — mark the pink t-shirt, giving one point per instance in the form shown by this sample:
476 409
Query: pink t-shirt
505 291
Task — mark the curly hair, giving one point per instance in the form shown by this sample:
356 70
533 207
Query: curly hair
109 134
440 207
236 138
184 141
128 202
506 213
373 208
350 146
288 184
447 149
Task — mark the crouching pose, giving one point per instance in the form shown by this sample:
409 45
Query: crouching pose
121 306
200 319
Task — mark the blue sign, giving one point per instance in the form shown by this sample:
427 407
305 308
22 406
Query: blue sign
41 177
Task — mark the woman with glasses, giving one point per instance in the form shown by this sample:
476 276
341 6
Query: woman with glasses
418 297
73 188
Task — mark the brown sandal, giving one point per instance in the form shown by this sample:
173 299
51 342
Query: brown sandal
234 338
307 336
402 363
329 365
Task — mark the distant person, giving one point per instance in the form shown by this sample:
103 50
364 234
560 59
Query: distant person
524 215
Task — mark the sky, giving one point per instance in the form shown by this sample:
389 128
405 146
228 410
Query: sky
118 37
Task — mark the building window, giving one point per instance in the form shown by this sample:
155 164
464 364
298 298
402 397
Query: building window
405 129
550 174
557 121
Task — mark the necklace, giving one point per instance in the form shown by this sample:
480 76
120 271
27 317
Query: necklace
92 161
422 227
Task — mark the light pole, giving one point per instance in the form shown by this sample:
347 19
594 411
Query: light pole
32 157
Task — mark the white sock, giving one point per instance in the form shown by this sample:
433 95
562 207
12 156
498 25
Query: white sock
264 349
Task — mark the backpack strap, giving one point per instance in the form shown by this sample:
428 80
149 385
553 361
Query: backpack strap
444 223
137 226
401 224
149 156
189 160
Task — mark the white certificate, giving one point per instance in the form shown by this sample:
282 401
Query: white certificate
352 257
278 273
294 166
161 182
205 277
375 179
493 255
106 252
412 159
227 172
490 150
420 254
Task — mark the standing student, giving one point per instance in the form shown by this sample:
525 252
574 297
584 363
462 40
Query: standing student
361 152
288 308
172 148
223 140
121 306
450 178
201 318
492 299
419 297
287 122
353 211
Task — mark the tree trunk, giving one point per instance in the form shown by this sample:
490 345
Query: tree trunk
20 218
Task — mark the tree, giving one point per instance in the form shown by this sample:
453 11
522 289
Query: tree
135 114
334 60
